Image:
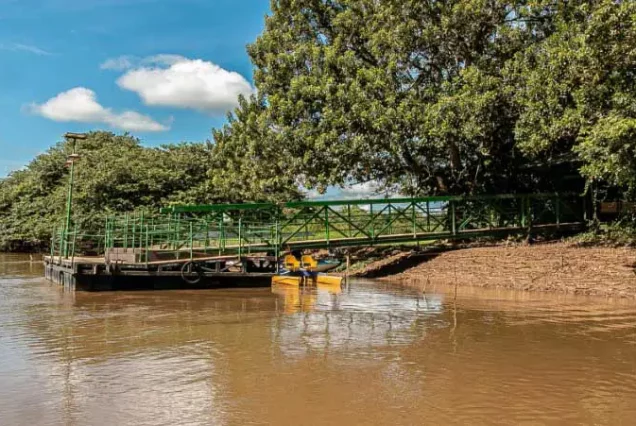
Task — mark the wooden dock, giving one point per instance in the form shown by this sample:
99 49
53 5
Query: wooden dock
96 274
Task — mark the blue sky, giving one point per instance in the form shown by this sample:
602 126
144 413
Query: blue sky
166 70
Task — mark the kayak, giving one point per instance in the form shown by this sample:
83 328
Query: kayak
307 270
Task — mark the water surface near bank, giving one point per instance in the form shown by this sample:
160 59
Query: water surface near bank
373 353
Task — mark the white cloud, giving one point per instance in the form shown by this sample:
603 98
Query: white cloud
80 105
19 47
368 190
361 190
357 191
176 81
118 64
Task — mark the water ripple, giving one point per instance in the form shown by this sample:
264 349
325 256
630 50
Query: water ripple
370 353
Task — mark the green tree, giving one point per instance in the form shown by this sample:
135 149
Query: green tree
115 174
250 162
405 92
576 92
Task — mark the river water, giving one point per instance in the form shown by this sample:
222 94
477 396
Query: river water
373 353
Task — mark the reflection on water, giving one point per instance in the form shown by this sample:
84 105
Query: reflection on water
369 353
323 318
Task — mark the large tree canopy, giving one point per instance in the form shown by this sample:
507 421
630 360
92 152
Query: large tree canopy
404 92
448 96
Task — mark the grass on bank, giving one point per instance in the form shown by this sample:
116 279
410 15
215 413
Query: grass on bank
616 234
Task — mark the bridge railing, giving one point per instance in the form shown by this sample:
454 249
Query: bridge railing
365 222
203 231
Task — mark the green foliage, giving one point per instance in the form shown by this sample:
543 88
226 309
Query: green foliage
609 151
575 91
115 174
618 234
453 96
409 93
249 162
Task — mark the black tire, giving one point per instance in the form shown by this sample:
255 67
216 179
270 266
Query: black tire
195 269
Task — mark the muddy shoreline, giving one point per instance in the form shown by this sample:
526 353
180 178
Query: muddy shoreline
557 267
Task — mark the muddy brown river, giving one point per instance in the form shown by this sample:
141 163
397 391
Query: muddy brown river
373 353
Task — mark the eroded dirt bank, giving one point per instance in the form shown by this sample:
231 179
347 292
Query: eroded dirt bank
556 267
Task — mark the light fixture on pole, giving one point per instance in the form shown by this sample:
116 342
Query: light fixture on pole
70 161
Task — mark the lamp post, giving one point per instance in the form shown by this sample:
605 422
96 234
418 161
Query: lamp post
70 161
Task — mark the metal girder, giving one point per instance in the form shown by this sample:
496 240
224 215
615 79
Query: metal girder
247 228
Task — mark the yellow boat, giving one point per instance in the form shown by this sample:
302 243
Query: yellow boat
287 280
294 280
306 271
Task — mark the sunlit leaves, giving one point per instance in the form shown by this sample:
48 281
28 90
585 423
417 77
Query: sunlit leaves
576 91
404 92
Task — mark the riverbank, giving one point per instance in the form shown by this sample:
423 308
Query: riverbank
561 267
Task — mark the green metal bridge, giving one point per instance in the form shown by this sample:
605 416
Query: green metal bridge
200 231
